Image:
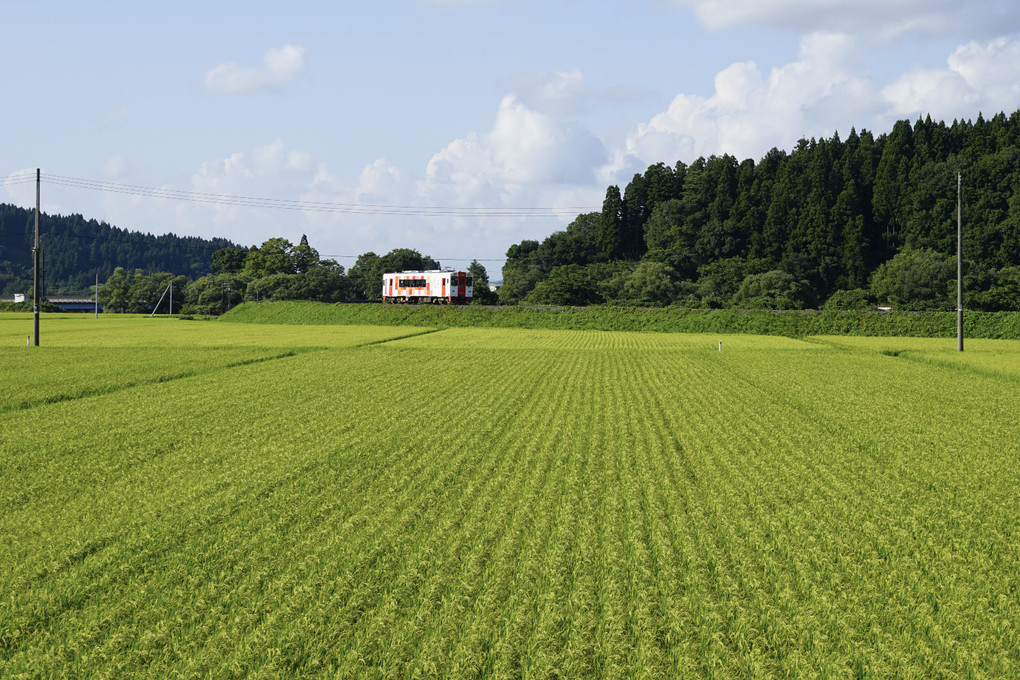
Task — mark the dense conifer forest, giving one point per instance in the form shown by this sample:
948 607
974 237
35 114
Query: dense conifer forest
76 250
848 222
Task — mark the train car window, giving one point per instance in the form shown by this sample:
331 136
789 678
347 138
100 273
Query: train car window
468 281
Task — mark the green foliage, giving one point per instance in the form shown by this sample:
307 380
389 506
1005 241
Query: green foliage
77 250
566 285
275 256
615 318
857 299
320 284
520 273
228 260
775 289
652 283
214 294
996 290
916 279
610 227
27 306
829 213
720 280
367 273
481 293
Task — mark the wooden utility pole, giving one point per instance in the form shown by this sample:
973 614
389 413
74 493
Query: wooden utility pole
959 262
35 259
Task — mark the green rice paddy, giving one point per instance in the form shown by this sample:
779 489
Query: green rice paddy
201 499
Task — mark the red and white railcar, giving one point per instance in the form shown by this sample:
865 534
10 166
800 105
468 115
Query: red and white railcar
434 286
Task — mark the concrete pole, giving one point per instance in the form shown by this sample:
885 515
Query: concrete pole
959 262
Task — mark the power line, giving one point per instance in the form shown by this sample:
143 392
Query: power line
306 206
23 177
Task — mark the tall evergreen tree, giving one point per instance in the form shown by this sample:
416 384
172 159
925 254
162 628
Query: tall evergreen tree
610 235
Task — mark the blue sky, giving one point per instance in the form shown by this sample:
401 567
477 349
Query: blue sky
457 127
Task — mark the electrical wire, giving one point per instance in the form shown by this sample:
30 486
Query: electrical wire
22 177
27 176
303 205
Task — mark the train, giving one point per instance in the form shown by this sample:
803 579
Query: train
433 286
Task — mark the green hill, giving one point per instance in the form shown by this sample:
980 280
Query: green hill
76 250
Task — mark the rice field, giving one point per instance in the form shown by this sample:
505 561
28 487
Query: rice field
280 501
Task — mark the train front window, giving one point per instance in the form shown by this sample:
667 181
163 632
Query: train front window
468 284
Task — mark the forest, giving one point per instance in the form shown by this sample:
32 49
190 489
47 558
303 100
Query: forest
76 251
276 270
840 223
834 223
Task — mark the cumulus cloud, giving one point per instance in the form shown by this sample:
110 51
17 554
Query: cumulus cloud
535 153
380 182
565 93
882 18
977 76
20 187
523 147
751 111
820 93
115 167
281 64
271 171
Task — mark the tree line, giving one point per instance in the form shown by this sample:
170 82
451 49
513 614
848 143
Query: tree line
209 275
277 270
76 251
841 223
835 223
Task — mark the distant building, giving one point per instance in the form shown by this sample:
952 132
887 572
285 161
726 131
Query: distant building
74 303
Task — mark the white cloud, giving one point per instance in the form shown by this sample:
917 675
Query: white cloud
115 167
380 182
523 147
750 112
274 159
272 171
885 19
821 93
20 186
567 93
977 76
281 65
534 155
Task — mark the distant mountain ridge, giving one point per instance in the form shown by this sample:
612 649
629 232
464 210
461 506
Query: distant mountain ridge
76 250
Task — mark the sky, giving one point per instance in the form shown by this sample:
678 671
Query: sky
454 127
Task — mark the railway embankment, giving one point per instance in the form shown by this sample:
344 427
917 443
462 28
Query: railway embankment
1002 325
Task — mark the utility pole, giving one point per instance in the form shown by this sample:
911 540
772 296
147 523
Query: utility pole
35 259
959 261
